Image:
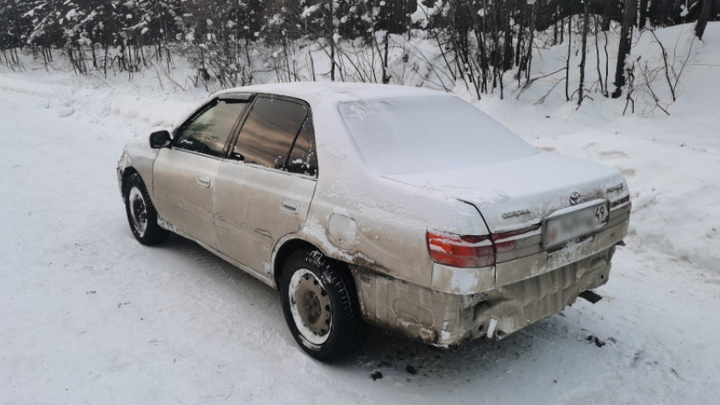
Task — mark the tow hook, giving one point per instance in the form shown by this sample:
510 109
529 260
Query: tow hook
621 243
590 296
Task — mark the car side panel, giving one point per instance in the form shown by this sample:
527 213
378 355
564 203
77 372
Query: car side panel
383 227
183 187
138 156
255 207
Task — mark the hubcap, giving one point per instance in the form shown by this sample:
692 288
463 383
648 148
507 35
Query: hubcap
310 306
138 210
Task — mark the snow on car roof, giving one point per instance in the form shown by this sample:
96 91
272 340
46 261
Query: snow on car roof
336 92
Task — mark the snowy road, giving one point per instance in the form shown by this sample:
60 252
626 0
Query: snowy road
90 316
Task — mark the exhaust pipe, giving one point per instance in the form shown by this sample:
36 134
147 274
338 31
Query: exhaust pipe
590 296
491 328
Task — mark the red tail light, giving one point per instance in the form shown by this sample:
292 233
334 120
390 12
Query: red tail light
460 250
619 204
470 250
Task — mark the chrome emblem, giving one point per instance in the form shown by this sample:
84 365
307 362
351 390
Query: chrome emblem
575 198
512 214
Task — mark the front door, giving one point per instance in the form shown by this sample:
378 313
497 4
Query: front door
184 175
263 191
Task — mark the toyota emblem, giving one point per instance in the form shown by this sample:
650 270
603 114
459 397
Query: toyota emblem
575 198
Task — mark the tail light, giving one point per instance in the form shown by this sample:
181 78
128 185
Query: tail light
460 250
471 250
623 203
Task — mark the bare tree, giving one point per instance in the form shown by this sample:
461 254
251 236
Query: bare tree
567 60
330 27
703 18
603 84
626 30
586 28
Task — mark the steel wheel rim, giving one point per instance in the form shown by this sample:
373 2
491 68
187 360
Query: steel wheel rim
310 307
138 210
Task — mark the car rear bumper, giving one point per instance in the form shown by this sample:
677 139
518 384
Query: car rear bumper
465 281
523 292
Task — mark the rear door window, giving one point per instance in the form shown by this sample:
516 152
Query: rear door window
303 158
208 131
269 134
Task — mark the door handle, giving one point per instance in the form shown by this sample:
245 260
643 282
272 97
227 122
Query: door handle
289 205
204 181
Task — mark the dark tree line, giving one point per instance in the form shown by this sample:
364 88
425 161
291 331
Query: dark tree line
478 40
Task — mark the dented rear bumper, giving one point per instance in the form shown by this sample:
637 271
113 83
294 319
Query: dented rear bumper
517 294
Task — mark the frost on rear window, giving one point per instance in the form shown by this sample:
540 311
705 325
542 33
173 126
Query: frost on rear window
421 134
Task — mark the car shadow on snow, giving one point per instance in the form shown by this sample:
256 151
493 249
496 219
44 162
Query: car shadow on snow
388 354
248 290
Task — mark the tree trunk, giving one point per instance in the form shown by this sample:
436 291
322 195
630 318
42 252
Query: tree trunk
625 44
531 40
597 57
567 60
385 77
518 44
562 26
508 43
586 27
332 40
703 18
643 13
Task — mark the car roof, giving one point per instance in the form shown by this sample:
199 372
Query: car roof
335 92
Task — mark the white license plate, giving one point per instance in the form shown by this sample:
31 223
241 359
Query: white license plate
574 222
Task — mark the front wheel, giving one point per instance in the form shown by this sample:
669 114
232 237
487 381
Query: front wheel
141 213
321 306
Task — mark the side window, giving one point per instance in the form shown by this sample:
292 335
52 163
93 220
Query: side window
303 157
208 132
269 132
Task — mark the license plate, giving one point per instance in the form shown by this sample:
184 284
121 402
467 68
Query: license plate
574 222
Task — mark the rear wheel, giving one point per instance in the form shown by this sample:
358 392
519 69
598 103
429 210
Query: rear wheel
141 214
321 306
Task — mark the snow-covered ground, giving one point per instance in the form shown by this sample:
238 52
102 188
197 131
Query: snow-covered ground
90 316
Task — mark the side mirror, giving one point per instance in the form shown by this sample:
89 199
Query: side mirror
160 139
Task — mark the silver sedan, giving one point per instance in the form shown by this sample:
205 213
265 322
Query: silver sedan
400 207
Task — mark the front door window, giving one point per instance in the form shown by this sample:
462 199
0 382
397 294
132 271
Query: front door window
208 132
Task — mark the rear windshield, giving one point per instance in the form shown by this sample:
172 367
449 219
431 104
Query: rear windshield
422 134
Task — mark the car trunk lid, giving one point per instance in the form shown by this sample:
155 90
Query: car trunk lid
519 193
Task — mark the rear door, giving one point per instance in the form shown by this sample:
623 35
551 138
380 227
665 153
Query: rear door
263 190
184 175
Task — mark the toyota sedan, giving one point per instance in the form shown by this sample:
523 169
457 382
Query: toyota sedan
399 207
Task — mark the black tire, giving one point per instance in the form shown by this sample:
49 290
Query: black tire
347 330
141 207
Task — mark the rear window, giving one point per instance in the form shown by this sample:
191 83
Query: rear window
422 134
